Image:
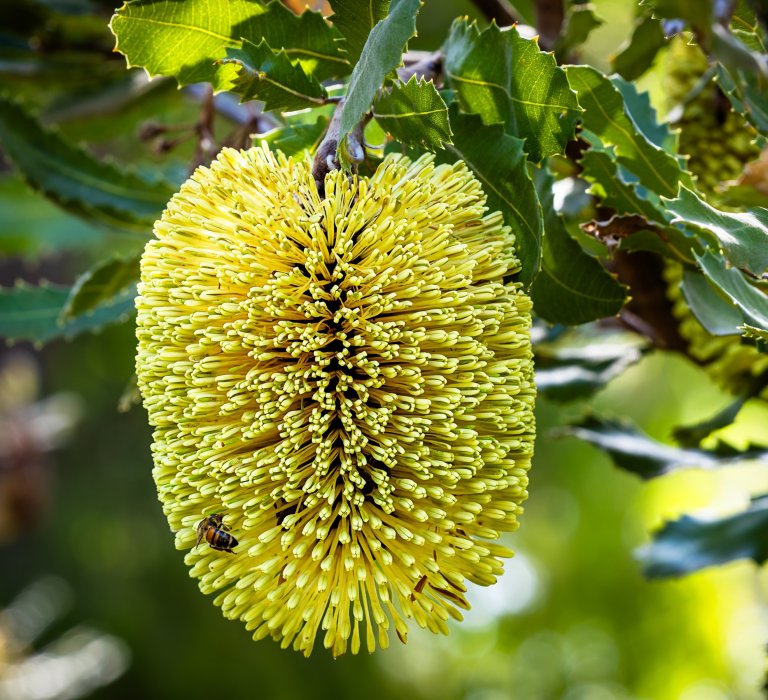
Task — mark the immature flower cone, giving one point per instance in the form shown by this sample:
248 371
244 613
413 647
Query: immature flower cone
719 143
347 381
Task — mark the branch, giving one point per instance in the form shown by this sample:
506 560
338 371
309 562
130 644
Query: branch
429 67
327 157
498 10
550 15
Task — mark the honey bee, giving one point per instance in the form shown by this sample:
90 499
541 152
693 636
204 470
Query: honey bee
212 529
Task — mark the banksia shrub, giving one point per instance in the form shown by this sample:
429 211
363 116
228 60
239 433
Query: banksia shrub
346 383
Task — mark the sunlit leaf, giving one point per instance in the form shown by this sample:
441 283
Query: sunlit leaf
414 113
269 76
692 543
33 313
382 53
498 160
507 80
74 179
606 117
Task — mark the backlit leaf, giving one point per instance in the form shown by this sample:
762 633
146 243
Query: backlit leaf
507 80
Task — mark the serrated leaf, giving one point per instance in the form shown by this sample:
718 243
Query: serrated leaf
742 236
572 372
382 53
633 450
498 161
269 76
638 54
307 39
746 96
355 20
638 107
99 285
601 170
755 333
715 313
186 39
74 179
414 113
580 21
697 13
507 80
295 139
606 117
572 287
33 313
692 543
752 301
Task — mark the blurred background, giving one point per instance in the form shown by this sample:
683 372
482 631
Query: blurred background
95 600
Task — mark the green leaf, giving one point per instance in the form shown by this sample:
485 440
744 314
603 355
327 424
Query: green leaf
602 171
638 107
307 39
742 236
74 179
579 23
713 311
690 543
568 372
606 117
751 300
414 113
33 313
100 285
638 55
507 80
697 13
498 161
355 20
33 227
185 39
382 53
295 139
269 76
746 95
692 435
572 287
633 450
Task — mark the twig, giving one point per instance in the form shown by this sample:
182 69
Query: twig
499 10
429 67
327 158
550 15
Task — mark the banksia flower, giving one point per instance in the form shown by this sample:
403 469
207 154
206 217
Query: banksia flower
343 385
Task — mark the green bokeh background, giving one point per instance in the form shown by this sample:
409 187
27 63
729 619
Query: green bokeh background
573 618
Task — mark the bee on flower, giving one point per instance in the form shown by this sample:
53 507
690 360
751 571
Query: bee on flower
350 379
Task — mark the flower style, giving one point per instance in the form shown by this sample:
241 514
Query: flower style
346 382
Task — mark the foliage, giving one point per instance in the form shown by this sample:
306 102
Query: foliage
587 172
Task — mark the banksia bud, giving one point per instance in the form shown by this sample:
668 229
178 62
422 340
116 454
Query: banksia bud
342 392
719 143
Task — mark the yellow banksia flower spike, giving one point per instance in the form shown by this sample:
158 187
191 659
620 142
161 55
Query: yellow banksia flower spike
346 382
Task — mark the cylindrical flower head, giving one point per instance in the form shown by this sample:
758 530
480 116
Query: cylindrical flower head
346 383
